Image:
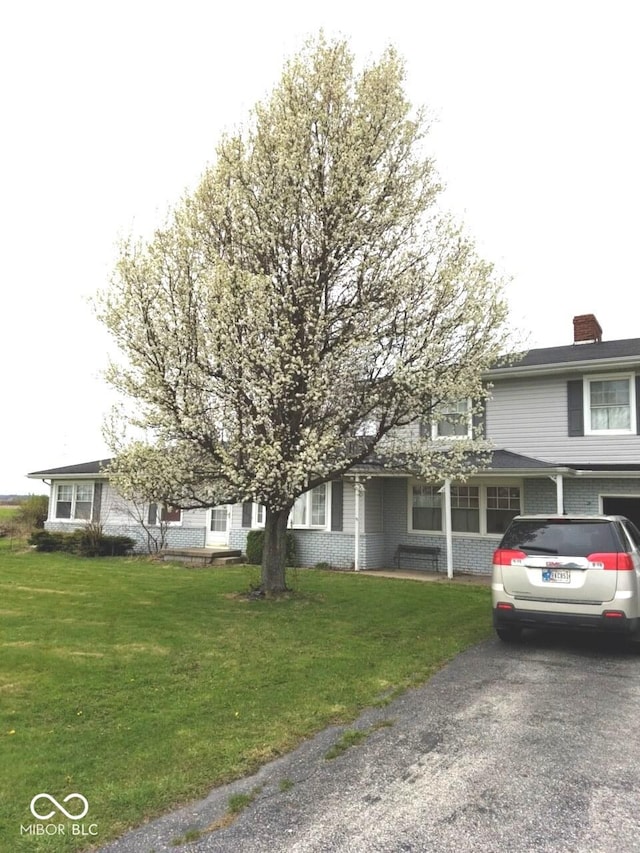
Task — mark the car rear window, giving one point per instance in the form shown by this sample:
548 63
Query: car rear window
574 539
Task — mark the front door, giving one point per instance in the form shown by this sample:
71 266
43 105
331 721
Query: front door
218 526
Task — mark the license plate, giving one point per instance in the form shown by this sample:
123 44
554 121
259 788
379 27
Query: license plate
556 576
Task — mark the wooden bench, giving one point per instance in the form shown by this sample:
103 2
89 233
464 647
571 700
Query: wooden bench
425 552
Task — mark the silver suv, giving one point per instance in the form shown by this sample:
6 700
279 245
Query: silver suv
567 571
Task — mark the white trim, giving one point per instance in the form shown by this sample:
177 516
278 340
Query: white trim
624 497
448 530
609 377
358 490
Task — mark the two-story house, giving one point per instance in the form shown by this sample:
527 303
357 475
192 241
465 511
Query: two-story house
565 425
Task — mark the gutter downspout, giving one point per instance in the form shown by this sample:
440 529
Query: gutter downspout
447 527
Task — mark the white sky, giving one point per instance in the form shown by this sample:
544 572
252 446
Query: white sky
111 110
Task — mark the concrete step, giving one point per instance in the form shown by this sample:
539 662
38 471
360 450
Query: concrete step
201 556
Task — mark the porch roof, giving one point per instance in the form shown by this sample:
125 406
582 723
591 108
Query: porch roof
500 462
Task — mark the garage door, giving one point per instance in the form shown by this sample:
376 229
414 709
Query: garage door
630 507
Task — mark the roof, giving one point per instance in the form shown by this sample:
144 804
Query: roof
498 461
537 360
505 460
583 352
99 466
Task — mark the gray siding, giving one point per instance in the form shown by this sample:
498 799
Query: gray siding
373 506
583 495
529 416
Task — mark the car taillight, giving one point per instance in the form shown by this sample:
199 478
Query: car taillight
505 556
619 562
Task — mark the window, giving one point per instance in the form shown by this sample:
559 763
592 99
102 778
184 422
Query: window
74 501
609 403
310 509
481 509
168 515
258 515
171 515
465 509
503 504
452 420
426 508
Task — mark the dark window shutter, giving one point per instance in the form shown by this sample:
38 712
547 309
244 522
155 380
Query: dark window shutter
425 429
638 405
153 513
575 407
97 500
480 423
247 507
337 503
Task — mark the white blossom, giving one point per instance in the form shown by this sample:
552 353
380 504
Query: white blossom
308 291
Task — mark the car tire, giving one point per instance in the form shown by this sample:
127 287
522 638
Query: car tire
509 635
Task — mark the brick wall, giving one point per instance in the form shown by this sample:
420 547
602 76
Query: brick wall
177 537
470 554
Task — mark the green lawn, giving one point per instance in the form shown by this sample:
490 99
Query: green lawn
141 686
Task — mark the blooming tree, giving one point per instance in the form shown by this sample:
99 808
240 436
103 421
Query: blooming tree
308 291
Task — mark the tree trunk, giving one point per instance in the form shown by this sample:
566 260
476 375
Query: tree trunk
275 551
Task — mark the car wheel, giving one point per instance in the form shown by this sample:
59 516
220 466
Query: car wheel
509 635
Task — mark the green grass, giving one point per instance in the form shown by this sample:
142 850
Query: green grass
7 513
141 685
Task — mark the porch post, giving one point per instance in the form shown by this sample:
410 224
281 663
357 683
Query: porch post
559 494
447 527
358 487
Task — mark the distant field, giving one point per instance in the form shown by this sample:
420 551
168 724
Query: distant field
7 512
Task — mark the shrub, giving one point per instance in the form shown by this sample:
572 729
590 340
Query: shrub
43 540
84 542
33 511
255 544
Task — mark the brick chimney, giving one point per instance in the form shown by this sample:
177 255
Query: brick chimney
586 329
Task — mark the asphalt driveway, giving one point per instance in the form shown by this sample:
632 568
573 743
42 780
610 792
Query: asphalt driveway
533 747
